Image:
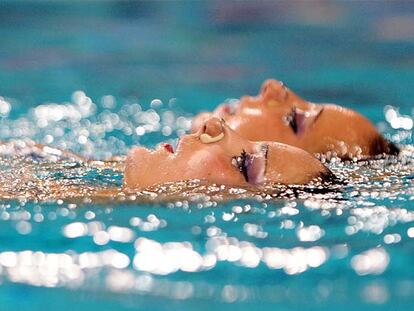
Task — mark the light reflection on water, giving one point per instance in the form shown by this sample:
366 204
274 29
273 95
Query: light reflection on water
243 250
361 228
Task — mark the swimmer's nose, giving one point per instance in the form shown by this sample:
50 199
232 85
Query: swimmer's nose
212 131
198 122
213 127
274 91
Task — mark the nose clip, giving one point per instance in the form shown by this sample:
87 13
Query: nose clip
211 126
207 139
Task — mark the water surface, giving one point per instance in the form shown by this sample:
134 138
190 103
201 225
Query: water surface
98 79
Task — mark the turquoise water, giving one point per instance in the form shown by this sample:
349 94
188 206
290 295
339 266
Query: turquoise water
99 78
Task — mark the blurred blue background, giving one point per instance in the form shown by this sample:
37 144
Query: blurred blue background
354 53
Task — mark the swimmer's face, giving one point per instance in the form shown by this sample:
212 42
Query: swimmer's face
278 114
217 154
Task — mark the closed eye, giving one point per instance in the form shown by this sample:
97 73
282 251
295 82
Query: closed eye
300 121
291 120
241 162
252 166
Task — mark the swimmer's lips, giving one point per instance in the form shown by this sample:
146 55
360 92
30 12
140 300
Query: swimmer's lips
168 147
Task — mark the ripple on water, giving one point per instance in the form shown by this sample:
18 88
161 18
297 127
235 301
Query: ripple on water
68 223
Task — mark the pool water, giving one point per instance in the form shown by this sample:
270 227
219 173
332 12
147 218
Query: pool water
98 78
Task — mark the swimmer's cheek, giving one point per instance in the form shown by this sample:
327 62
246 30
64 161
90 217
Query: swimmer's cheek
214 169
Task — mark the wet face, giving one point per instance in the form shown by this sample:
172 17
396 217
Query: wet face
217 154
278 114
